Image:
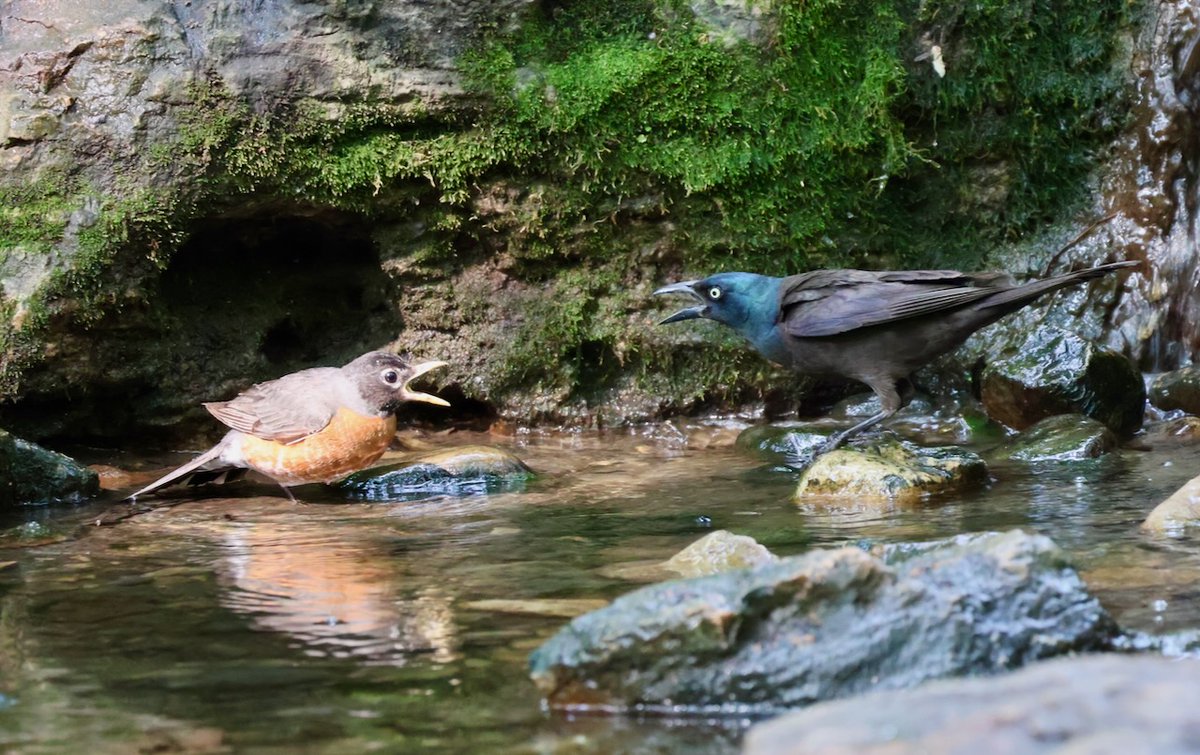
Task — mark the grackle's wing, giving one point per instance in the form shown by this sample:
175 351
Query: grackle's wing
829 302
286 410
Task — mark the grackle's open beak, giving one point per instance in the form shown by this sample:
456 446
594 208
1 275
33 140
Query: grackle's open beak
688 313
416 371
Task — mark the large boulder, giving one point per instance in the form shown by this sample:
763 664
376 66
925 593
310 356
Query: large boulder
1057 372
32 474
827 624
1101 704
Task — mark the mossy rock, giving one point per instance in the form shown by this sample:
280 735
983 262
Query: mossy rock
1066 437
1056 372
1178 389
891 472
32 474
469 470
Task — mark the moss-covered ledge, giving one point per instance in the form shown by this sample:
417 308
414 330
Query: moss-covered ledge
594 151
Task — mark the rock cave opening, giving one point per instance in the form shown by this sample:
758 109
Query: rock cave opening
244 299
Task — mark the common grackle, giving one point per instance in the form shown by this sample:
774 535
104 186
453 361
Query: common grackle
874 327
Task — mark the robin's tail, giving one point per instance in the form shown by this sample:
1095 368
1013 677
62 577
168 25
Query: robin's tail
206 467
1017 297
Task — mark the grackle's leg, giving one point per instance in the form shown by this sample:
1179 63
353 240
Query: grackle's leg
892 393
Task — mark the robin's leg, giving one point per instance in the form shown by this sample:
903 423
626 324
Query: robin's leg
288 490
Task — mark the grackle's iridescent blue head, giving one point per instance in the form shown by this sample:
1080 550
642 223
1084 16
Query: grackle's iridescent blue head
746 302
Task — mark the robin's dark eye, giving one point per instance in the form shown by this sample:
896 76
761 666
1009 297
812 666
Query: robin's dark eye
391 377
714 293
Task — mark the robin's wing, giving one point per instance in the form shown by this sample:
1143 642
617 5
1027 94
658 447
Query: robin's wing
285 410
829 302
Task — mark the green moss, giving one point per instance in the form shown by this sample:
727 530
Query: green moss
830 131
139 228
34 216
821 143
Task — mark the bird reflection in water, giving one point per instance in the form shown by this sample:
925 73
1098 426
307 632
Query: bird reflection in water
339 597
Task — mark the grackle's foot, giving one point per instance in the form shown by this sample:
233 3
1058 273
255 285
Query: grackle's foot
804 456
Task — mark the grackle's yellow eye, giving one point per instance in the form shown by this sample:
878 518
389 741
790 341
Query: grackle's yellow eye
714 293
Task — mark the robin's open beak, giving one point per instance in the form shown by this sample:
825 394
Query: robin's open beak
417 371
687 313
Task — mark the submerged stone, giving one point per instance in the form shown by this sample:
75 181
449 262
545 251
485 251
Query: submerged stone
717 552
565 608
32 474
1065 437
1179 512
1057 372
469 470
1178 389
1097 704
1180 431
889 472
827 624
783 442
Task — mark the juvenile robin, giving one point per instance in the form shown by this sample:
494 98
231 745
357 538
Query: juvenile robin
315 425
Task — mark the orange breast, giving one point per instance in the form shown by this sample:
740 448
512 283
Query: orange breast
348 443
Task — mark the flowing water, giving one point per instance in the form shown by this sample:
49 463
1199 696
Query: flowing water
253 624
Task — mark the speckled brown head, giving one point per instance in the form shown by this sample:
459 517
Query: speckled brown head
383 379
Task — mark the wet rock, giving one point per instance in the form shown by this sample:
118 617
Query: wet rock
1099 704
1180 431
1056 372
714 553
718 552
923 422
115 478
1066 437
32 474
1176 514
783 441
469 470
889 472
827 624
1178 389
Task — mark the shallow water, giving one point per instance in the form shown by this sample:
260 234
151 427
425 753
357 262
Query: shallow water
258 625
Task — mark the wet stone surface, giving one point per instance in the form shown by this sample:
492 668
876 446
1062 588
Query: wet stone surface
1066 437
32 474
1098 704
784 441
1057 372
827 624
1178 389
1177 513
718 552
886 472
1179 431
469 470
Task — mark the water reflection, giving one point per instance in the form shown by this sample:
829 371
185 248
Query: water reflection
333 593
339 627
